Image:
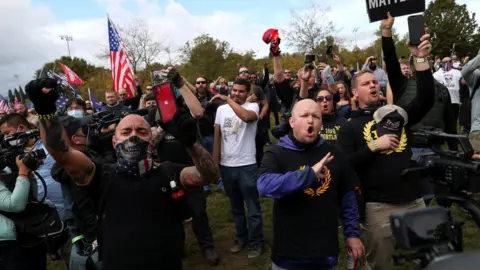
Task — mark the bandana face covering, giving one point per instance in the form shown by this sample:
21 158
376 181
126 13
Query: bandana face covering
134 156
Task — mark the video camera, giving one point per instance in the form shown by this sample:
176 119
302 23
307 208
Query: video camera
431 235
14 145
102 141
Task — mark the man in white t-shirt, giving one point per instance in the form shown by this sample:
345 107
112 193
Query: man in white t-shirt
451 79
234 151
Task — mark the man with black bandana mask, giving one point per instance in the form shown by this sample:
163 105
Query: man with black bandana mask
141 223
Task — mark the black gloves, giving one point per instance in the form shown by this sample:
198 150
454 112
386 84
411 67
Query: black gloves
275 47
174 77
183 127
44 102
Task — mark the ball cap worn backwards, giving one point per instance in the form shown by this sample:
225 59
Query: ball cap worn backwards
390 119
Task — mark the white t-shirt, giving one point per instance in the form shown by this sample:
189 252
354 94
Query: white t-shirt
451 80
238 137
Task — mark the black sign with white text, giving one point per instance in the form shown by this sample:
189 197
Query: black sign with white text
377 9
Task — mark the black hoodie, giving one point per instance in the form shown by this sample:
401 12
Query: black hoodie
380 173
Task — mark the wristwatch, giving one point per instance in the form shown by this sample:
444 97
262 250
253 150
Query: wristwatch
420 60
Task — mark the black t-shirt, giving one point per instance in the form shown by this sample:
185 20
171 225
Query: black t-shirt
285 92
306 222
330 126
170 149
142 225
206 123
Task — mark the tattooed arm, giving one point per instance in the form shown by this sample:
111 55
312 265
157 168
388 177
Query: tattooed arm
205 171
78 166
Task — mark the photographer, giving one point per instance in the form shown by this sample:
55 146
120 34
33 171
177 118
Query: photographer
14 123
376 143
140 221
83 228
13 198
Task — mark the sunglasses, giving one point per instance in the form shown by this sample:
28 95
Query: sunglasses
323 98
244 72
287 72
201 82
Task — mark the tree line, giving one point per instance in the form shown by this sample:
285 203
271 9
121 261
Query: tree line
448 23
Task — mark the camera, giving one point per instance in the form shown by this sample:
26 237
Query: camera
14 145
430 235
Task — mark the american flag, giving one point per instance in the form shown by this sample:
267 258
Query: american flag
61 101
121 72
62 79
4 105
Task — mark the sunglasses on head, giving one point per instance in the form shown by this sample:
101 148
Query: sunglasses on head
322 98
201 82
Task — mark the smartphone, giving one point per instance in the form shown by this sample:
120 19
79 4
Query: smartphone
309 59
416 29
165 99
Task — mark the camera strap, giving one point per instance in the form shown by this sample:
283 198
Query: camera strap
44 187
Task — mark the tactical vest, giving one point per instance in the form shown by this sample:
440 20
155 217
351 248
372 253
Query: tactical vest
434 118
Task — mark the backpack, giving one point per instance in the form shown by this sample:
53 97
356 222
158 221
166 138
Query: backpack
38 223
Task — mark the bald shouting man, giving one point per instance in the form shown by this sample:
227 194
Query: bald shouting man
141 222
304 173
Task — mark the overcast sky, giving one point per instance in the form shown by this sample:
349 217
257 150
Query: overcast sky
30 29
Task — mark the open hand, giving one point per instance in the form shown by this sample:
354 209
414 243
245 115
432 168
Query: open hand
318 168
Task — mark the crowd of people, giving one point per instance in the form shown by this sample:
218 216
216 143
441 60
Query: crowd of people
344 138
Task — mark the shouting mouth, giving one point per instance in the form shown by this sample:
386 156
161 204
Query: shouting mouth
310 132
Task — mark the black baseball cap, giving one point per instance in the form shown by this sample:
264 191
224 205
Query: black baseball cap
390 119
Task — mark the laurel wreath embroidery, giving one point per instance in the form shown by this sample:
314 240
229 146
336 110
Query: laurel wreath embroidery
367 135
323 188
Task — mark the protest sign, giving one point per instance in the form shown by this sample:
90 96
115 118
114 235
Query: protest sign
377 9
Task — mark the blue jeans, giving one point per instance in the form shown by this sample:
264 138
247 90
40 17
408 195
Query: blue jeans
241 188
427 187
207 142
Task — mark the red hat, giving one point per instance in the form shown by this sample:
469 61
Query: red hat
270 35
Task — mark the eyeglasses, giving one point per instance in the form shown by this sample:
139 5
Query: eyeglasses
253 78
323 98
201 82
244 72
287 72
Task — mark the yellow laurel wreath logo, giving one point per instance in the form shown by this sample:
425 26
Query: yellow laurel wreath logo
302 168
367 135
323 187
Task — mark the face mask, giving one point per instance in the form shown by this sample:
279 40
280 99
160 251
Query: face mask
76 113
373 66
134 156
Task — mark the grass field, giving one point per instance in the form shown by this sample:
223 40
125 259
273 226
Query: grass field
221 222
223 230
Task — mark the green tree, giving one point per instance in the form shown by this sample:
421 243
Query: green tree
80 66
451 23
22 94
204 56
10 95
17 95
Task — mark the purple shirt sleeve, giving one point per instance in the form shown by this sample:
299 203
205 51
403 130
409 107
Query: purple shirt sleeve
276 185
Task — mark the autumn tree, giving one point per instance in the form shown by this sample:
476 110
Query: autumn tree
204 56
451 23
307 29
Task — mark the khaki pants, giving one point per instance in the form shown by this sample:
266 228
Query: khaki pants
474 138
379 242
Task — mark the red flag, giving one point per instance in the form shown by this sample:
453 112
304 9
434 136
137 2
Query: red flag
72 78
